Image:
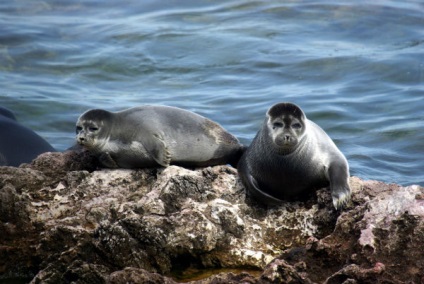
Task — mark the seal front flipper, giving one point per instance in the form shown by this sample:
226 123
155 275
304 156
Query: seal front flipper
339 184
341 196
156 147
106 160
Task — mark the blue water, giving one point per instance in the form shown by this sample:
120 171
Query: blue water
357 69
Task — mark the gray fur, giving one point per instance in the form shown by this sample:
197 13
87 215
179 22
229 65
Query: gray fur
291 156
152 136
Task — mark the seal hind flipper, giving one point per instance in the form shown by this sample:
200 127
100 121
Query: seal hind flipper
262 195
221 136
252 186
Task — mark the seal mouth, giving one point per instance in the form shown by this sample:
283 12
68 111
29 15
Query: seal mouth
83 141
285 145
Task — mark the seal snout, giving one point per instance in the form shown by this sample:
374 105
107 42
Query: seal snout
81 140
80 135
285 140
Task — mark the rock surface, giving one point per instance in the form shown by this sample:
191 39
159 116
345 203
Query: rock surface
64 221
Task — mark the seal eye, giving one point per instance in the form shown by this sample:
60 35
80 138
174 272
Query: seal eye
78 129
92 129
277 125
296 125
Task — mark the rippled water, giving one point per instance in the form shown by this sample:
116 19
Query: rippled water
357 69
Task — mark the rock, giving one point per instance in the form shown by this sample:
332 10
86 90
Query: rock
137 275
63 220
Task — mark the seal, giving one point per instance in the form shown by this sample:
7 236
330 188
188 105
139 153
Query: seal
7 113
290 157
18 144
153 136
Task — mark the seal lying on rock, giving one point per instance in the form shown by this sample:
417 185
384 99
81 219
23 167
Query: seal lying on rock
152 136
18 144
290 156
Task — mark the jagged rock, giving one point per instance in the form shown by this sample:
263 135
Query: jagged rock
65 221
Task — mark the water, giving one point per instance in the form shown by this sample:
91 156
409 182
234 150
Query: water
357 69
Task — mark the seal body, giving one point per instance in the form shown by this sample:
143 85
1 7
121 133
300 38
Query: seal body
18 144
152 136
290 157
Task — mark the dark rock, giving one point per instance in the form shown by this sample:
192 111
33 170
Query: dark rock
139 276
63 221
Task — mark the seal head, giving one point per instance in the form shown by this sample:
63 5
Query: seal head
286 127
92 128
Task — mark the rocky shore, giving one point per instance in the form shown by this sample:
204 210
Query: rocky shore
63 220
